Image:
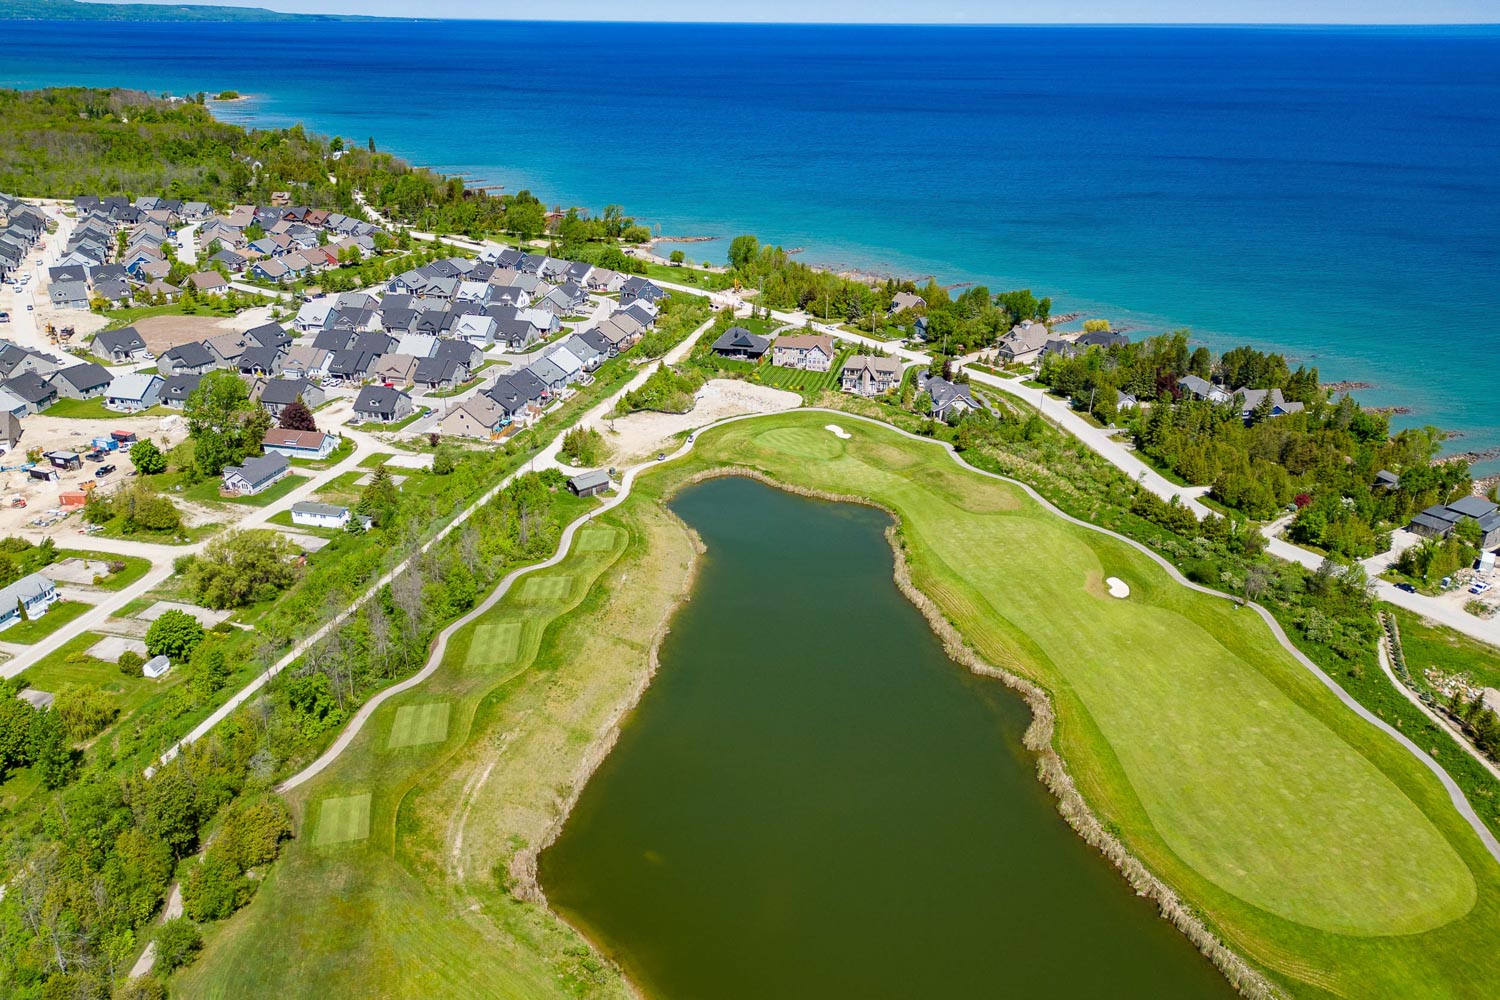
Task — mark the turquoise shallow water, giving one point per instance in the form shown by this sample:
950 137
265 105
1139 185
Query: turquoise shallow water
1333 193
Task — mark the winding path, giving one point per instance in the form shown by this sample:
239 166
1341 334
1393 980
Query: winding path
1455 793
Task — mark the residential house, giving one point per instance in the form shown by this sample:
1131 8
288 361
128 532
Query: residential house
809 352
478 329
550 374
739 344
36 392
947 397
275 395
122 346
305 362
260 361
312 445
1249 400
1200 388
133 392
192 358
1439 520
227 349
320 515
395 369
313 316
256 475
479 416
904 301
1023 344
636 287
85 381
382 405
209 282
587 354
69 295
440 373
418 345
175 389
34 593
866 375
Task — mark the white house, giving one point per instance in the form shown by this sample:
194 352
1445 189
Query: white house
256 475
319 515
156 666
36 592
300 444
133 392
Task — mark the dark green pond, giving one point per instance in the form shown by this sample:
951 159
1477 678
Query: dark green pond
813 801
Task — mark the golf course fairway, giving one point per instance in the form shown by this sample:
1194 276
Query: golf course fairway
1310 841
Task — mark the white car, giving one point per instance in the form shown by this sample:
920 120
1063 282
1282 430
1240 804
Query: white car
1479 588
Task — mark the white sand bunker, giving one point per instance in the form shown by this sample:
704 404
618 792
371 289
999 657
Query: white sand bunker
838 431
1118 587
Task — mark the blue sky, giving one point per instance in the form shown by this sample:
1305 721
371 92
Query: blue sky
933 11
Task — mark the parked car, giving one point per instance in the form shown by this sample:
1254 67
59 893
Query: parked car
103 471
1408 588
1479 587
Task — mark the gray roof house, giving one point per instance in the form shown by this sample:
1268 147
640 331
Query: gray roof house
192 358
175 389
870 376
741 345
275 395
69 295
133 392
256 476
383 405
35 391
121 346
85 381
36 592
1440 519
946 396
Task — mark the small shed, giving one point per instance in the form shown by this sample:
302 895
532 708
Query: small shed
66 460
156 667
589 484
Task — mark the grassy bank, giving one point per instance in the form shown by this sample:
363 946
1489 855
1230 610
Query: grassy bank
417 898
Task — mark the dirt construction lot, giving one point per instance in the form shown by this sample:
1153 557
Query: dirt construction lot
64 434
162 333
639 436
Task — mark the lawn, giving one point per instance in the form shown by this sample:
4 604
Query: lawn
207 491
135 567
344 450
94 409
1427 645
399 425
38 629
801 380
416 725
1308 839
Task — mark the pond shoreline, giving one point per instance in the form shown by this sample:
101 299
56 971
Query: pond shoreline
1051 768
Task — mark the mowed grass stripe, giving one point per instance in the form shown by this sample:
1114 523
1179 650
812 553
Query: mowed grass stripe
596 539
546 588
416 725
494 644
343 820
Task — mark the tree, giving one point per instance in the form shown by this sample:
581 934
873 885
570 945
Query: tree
174 635
84 710
241 567
678 257
130 663
55 761
222 421
380 499
147 458
177 943
742 251
295 416
525 218
444 460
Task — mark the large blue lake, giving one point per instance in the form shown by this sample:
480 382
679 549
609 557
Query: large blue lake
1333 193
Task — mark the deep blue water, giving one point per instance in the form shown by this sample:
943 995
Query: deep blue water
1334 193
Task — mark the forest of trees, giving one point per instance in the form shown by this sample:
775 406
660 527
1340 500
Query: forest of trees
1322 460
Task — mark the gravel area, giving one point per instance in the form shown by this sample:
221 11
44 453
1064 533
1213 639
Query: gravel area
639 436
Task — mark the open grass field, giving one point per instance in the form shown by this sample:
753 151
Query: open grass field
416 908
545 588
1313 843
37 629
1428 646
415 725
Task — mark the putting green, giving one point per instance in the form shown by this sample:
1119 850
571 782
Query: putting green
343 820
596 539
1244 784
415 725
546 588
494 643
